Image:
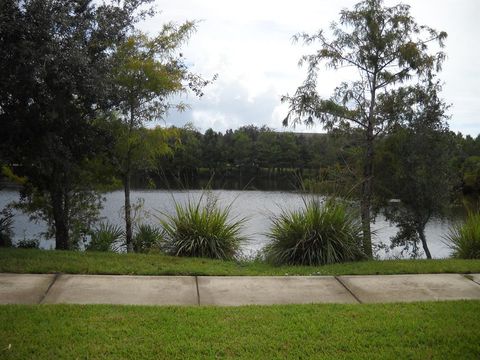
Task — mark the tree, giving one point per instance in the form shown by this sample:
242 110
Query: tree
211 150
54 65
268 149
148 72
243 150
416 167
387 48
289 150
187 156
471 175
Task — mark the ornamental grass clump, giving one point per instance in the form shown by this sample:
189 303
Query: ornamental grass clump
318 234
147 238
202 230
464 239
106 237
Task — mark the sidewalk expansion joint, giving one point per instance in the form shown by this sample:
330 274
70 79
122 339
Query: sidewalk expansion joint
55 277
198 290
349 291
469 277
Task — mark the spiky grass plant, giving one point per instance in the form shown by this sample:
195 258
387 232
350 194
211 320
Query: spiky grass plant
317 234
464 239
202 230
147 237
106 237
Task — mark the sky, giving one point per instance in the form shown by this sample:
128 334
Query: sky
249 45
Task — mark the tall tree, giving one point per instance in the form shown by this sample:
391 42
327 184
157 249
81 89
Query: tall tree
268 149
148 72
243 149
415 167
387 48
54 61
211 150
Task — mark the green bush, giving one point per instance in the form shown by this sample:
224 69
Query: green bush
28 244
464 239
147 237
106 237
199 230
317 234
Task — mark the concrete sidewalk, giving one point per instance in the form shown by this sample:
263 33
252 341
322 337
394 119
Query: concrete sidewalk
233 291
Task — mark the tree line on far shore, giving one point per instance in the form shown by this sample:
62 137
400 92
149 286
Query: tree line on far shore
316 157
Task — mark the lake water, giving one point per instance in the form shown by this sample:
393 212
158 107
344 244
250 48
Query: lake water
256 206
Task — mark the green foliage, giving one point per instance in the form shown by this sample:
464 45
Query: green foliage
55 78
147 72
471 174
464 240
409 229
260 154
147 238
185 157
243 150
8 173
82 212
387 48
27 244
318 234
137 149
414 167
202 230
331 163
106 237
212 150
6 227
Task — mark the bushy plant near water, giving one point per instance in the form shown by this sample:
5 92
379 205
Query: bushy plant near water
28 244
317 234
147 237
106 237
202 230
464 239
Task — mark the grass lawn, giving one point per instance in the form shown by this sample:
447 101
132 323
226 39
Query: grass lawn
72 262
438 330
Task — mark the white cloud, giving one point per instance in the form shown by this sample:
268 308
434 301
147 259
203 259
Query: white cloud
248 44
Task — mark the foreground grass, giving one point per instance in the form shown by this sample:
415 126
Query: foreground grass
71 262
440 330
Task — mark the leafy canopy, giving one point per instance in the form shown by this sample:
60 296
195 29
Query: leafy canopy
384 44
150 70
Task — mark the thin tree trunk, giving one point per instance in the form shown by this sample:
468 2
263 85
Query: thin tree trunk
421 234
367 186
60 220
128 214
126 184
366 199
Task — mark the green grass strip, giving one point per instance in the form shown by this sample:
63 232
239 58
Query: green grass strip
436 330
72 262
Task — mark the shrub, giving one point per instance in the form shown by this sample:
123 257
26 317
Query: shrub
202 231
106 237
317 234
147 237
28 244
464 239
6 227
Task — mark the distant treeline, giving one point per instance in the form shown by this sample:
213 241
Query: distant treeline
262 158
